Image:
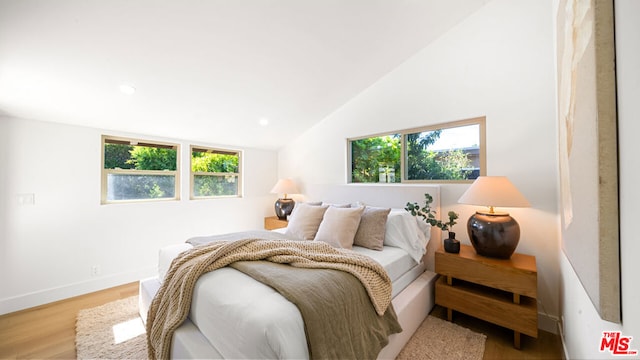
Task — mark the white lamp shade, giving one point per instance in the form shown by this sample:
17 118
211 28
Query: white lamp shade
493 191
285 186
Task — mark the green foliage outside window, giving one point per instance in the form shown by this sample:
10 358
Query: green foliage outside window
116 156
213 162
120 156
153 158
215 173
369 156
426 164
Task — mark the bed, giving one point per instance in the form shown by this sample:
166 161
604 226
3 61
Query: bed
257 322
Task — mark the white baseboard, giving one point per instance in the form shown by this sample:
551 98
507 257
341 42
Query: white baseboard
561 332
37 298
548 323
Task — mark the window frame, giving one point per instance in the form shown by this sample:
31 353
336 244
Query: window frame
142 142
193 174
480 121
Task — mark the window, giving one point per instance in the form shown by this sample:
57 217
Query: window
135 170
451 152
215 173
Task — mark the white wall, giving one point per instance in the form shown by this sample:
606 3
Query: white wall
582 325
499 63
47 249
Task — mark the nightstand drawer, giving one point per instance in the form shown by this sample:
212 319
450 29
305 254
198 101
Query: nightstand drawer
517 275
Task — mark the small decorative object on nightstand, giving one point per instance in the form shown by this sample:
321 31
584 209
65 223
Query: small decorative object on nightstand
451 244
500 291
272 222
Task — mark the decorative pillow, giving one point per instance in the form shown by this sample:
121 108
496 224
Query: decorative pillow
305 220
404 232
373 225
339 226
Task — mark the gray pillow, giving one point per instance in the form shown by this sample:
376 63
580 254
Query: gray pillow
372 229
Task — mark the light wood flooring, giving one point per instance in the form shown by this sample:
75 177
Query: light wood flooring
48 331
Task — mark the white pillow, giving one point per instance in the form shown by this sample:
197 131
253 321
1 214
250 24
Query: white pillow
304 221
339 226
404 232
424 230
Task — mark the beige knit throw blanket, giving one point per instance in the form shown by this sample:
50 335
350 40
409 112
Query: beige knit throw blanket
171 305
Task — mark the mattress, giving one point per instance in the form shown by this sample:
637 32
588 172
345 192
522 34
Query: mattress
400 266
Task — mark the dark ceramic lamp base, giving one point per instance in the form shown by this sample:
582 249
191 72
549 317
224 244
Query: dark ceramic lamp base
493 235
284 207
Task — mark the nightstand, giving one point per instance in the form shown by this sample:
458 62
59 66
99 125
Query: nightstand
499 291
272 222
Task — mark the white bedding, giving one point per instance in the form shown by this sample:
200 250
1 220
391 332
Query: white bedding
248 319
412 306
251 320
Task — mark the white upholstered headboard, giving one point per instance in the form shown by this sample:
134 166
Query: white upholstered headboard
391 195
387 195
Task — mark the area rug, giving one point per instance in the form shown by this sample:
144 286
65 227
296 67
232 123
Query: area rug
111 331
115 331
441 339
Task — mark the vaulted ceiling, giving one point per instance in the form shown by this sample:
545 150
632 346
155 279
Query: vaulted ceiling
206 70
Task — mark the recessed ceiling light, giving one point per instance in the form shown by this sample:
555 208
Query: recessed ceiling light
264 121
127 89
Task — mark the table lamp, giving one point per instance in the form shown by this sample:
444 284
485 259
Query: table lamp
493 234
284 205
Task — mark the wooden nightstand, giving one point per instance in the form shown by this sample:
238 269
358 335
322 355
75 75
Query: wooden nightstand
499 291
272 222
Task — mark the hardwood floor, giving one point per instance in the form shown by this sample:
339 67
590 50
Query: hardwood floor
48 331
